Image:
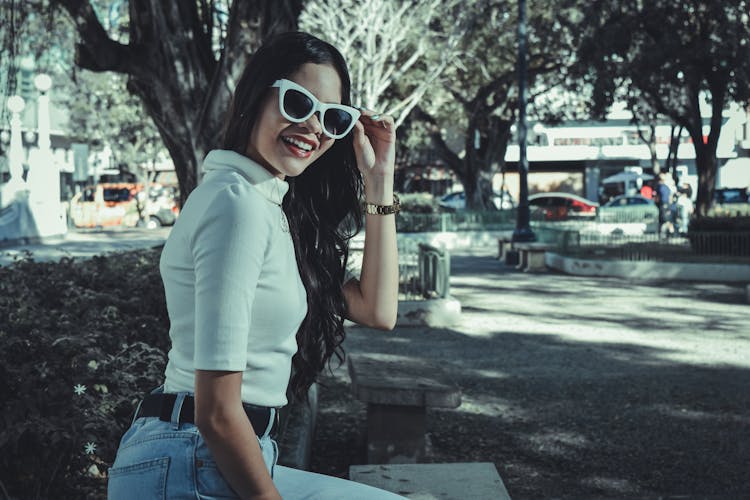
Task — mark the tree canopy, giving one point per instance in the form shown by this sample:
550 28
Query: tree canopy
663 57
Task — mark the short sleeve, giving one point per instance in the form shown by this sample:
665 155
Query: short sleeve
228 248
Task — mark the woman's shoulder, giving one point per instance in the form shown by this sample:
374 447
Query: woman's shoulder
225 190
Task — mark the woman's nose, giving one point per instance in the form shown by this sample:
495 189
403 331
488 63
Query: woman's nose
313 123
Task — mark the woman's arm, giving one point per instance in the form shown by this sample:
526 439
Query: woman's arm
229 434
373 299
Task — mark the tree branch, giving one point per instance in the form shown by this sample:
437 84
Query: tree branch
96 51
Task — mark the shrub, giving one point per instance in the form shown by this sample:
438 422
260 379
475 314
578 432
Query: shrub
421 203
738 210
82 341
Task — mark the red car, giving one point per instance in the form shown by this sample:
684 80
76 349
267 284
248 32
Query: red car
561 206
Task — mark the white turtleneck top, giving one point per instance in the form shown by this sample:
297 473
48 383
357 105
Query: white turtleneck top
234 296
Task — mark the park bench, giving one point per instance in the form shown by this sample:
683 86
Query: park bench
397 393
457 481
531 255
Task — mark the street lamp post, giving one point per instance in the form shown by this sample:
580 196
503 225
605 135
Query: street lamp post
523 230
49 176
16 182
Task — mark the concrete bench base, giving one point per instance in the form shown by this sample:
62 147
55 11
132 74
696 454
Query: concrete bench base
296 430
531 256
459 481
397 394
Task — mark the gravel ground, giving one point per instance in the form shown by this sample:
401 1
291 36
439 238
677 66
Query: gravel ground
575 387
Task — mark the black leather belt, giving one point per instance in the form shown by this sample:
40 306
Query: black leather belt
161 405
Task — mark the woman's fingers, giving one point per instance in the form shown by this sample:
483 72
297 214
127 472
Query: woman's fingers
362 146
374 118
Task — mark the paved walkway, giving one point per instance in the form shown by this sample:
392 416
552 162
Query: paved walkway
578 387
84 243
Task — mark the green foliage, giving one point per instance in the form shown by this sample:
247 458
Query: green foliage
423 203
663 58
103 112
738 210
662 53
98 325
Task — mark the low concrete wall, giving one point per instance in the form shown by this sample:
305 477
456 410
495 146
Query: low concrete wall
448 240
437 313
679 271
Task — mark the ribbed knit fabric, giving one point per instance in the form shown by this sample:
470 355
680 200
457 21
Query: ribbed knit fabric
234 296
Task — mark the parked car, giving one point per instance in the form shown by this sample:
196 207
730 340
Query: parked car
162 208
122 204
624 201
629 208
731 195
457 201
561 206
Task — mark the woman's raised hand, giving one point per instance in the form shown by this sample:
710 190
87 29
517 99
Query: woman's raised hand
375 145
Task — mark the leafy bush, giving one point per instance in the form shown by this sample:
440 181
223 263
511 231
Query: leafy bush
421 203
730 210
81 341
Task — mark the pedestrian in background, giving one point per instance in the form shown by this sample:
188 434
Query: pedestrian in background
663 199
684 206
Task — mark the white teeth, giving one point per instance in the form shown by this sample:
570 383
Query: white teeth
298 143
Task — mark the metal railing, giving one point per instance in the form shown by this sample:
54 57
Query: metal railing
697 246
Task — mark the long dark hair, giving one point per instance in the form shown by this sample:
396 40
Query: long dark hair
322 204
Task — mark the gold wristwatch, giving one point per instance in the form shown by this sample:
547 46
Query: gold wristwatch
373 209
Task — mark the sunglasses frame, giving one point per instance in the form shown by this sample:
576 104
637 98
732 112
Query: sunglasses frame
318 107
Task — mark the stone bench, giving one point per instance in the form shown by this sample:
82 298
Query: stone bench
531 255
458 481
397 392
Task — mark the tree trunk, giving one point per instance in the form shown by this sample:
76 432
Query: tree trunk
706 165
172 66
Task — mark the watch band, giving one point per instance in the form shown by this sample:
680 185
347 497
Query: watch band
373 209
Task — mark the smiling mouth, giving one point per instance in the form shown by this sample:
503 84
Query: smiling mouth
305 146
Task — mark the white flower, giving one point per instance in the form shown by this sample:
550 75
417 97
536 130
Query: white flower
79 389
90 448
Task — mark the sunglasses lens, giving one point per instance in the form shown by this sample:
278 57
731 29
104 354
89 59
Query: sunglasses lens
296 104
337 121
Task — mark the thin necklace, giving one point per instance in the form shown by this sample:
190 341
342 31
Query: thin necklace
284 221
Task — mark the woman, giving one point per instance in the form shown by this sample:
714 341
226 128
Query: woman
254 279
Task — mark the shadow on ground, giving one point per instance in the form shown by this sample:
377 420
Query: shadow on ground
575 399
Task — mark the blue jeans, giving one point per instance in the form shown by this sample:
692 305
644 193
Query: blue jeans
170 460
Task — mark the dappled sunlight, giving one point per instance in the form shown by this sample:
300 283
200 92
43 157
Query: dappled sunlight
492 406
698 415
556 443
610 485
